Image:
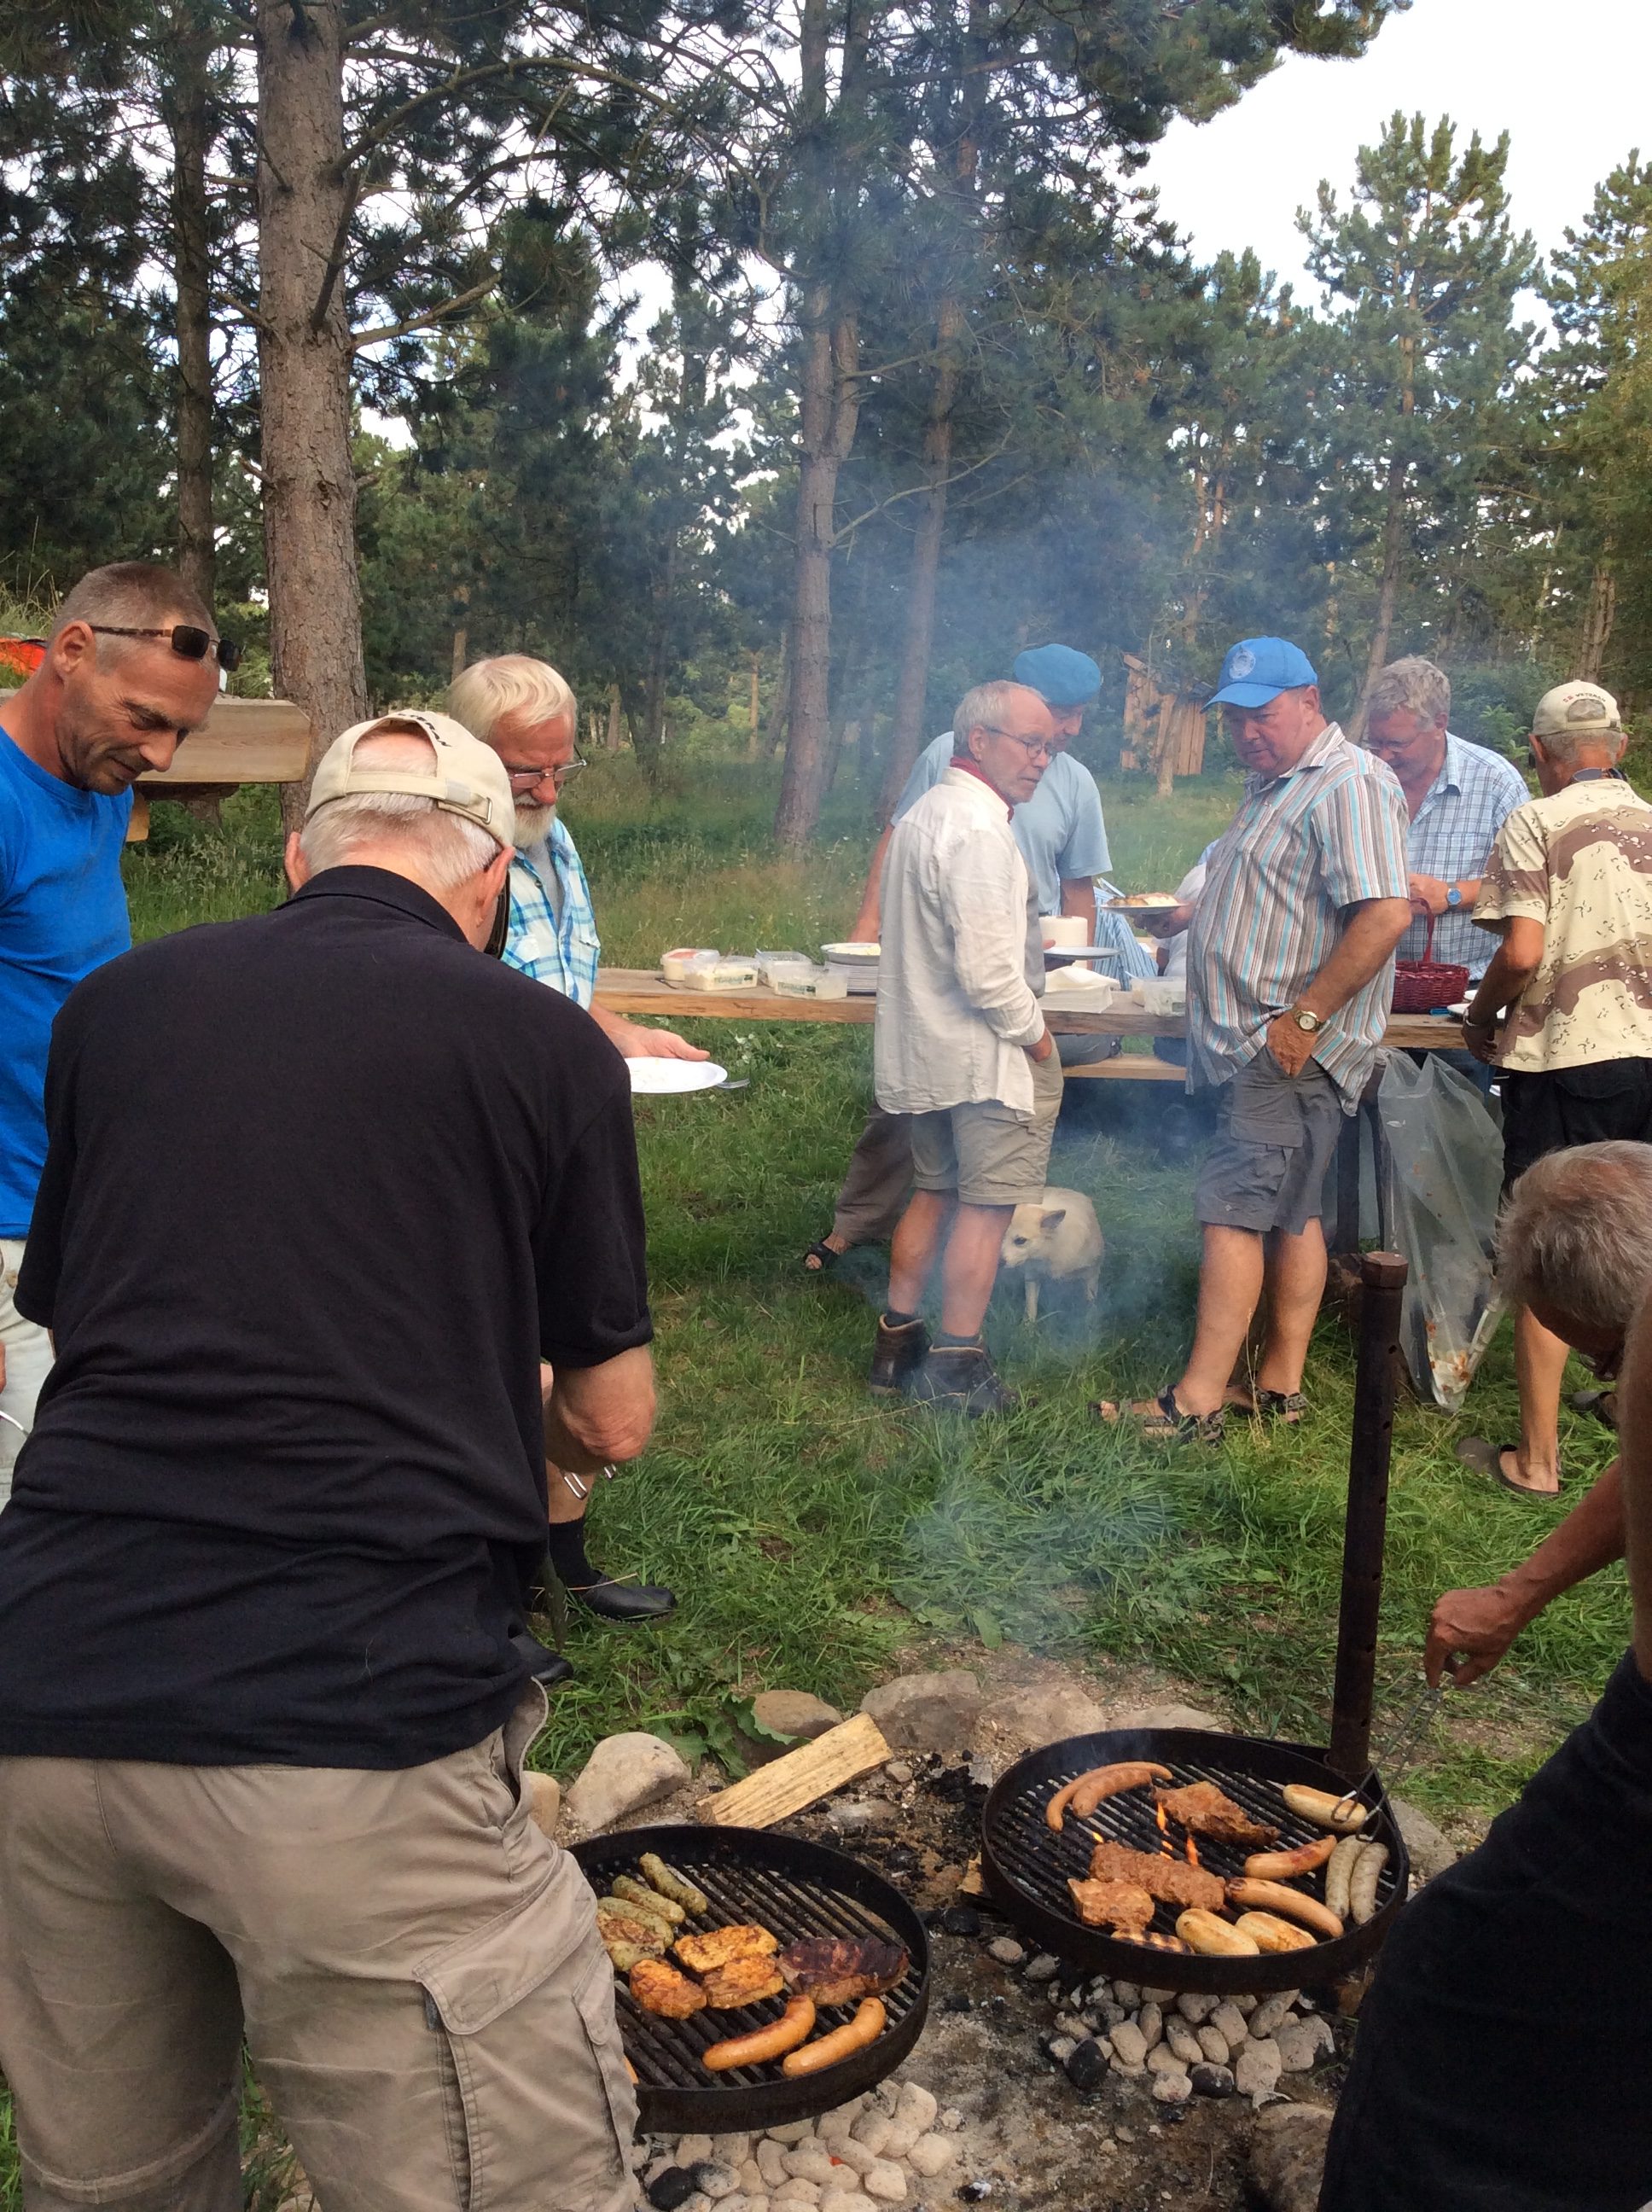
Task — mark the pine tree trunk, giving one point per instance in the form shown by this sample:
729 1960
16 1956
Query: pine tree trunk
780 705
185 105
304 370
1387 597
754 729
615 737
1598 619
912 690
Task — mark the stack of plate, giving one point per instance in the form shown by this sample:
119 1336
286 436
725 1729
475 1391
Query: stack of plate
858 961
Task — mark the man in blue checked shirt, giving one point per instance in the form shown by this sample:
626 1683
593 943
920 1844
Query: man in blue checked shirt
1458 796
526 712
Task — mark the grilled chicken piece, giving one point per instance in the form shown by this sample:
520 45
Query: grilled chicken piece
660 1988
1201 1806
837 1970
1158 1875
620 1931
742 1982
1123 1906
702 1954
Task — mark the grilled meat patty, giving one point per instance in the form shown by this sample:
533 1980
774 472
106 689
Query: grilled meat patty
720 1947
742 1982
838 1970
1159 1875
1201 1806
1123 1906
660 1988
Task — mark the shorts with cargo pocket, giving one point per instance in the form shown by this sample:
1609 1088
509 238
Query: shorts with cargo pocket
415 1969
986 1151
1275 1138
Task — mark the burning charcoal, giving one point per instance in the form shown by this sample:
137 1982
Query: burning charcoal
1006 1951
1087 2065
973 2191
1151 2020
1043 1968
1110 2014
916 2106
1067 2023
957 2001
1057 2048
1182 2041
901 1859
716 2180
1229 2022
961 1920
1214 2045
1160 1997
1196 2006
1211 2081
1270 2012
1127 1995
673 2187
1129 2045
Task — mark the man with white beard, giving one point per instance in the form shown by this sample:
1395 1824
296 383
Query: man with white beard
529 716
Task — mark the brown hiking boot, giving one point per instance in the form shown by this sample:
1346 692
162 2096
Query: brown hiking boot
960 1378
896 1356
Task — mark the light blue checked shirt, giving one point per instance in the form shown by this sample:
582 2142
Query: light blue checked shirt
1114 929
553 932
1451 837
1329 834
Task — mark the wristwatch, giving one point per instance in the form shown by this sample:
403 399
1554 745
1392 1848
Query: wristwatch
1453 895
1305 1021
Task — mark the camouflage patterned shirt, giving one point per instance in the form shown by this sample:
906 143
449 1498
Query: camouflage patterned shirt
1580 863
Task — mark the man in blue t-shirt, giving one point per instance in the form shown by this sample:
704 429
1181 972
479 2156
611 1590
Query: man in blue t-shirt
1063 839
131 666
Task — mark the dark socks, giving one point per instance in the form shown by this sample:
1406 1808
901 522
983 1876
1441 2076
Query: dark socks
565 1542
959 1343
894 1320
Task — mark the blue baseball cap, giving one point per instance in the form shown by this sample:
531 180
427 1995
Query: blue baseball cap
1061 675
1258 669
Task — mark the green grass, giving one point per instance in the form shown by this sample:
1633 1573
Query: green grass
811 1536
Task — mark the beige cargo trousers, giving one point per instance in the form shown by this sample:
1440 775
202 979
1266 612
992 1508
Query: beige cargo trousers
414 1967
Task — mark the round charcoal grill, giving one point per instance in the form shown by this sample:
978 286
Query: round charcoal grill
794 1889
1028 1864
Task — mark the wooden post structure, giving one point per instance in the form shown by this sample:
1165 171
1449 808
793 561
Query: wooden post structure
1382 1280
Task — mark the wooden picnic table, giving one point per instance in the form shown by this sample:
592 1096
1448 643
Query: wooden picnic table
642 991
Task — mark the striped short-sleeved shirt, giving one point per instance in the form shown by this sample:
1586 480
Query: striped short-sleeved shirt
1451 837
1329 834
1581 863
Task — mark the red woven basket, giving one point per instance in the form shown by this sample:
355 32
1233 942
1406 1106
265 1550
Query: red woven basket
1419 986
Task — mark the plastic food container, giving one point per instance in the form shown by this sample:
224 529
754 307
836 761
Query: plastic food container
771 966
674 965
716 975
1081 987
808 982
1160 994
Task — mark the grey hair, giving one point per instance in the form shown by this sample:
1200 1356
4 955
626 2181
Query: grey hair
132 595
446 849
984 708
1411 686
510 683
1576 1232
1563 745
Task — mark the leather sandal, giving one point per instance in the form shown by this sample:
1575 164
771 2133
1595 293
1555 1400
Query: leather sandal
1163 1421
1288 1406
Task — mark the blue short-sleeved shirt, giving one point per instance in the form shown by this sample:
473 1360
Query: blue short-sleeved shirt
1059 829
1451 838
63 912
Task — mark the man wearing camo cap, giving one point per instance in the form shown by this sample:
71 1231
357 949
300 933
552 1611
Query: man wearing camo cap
1565 1010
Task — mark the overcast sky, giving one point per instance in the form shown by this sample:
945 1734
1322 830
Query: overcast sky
1569 83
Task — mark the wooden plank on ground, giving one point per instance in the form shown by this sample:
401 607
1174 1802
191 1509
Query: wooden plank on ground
1128 1067
797 1778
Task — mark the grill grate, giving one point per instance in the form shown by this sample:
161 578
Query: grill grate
1028 1864
794 1889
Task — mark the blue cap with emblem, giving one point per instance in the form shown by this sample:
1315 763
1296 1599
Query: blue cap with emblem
1258 669
1061 675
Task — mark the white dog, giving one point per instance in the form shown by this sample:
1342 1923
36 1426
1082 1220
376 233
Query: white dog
1052 1241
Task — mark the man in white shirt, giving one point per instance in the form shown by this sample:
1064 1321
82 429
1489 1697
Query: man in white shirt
961 1045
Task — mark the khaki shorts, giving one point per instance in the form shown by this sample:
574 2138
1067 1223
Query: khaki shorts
415 1967
28 1348
985 1151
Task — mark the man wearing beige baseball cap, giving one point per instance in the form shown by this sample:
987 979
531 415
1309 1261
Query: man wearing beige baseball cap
322 1189
1565 1010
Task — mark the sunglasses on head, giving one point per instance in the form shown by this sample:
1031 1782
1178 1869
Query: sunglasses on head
187 641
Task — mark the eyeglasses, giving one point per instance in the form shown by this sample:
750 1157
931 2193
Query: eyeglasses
522 780
188 642
1031 746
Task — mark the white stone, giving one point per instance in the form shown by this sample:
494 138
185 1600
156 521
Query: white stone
1041 1713
1269 2014
1162 2060
1431 1852
1127 1995
900 2139
1299 2046
930 2155
1160 1997
1196 2006
623 1774
732 2150
753 2179
791 2131
811 2162
927 1712
1256 2069
1129 2044
1213 2044
951 2120
1151 2020
691 2150
1007 1950
771 2163
795 1713
859 2156
1167 1716
872 2129
885 2181
1182 2041
847 2200
1230 2024
1172 2088
797 2191
717 2180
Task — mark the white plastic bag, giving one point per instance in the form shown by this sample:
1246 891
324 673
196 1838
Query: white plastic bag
1445 1175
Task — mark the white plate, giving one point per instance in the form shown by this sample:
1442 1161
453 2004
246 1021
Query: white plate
654 1079
1143 903
853 954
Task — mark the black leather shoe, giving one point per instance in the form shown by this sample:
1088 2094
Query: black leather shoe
547 1667
960 1378
896 1356
613 1600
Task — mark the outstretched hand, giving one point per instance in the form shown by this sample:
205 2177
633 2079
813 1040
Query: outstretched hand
1469 1633
637 1042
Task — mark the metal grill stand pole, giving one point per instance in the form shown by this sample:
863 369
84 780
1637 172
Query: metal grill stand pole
1382 1280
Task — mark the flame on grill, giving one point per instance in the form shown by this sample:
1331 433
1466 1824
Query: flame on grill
1192 1849
1164 1832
